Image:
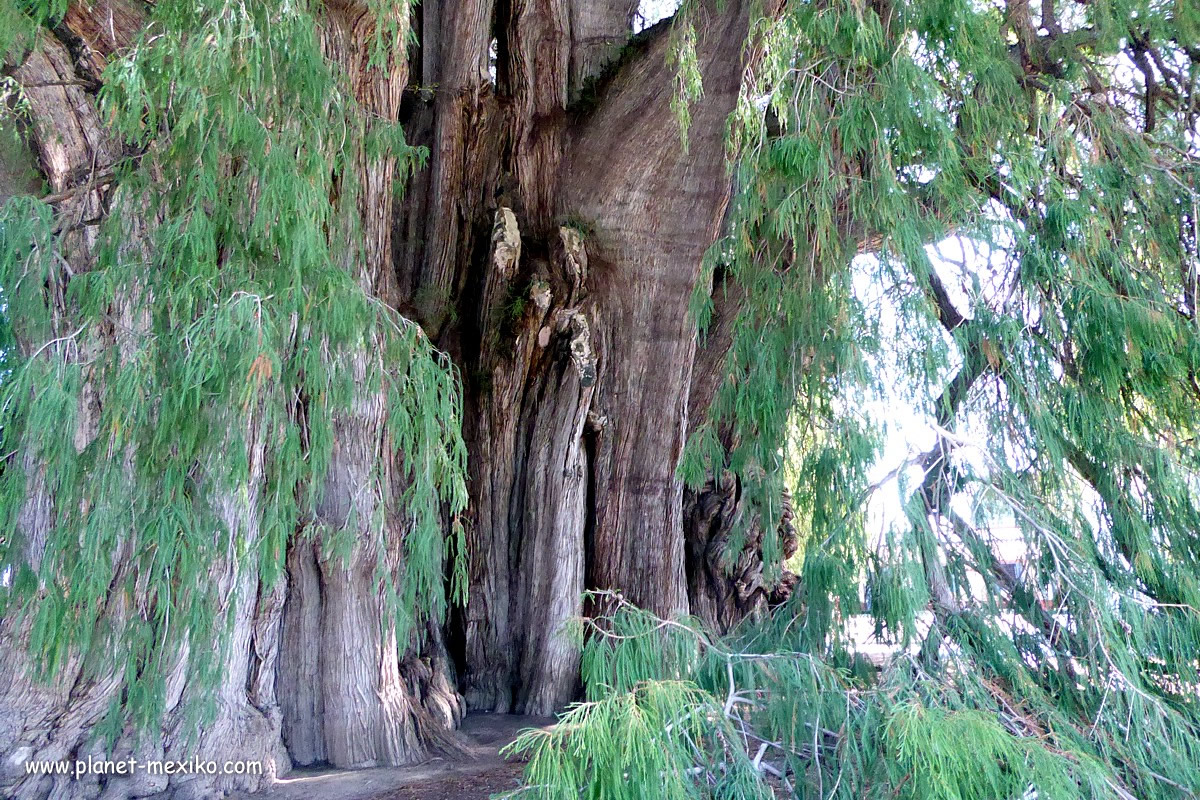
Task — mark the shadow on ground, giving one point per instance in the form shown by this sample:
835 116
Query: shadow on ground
476 773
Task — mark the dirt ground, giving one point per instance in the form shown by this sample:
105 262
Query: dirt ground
475 774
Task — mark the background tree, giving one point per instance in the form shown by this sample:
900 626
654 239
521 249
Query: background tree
257 384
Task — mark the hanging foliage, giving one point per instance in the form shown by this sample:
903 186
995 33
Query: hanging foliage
239 324
1062 393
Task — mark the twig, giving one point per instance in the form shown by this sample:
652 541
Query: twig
96 183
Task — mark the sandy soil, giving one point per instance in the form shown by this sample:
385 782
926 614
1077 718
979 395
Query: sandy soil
474 775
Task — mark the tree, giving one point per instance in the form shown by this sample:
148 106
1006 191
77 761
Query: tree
349 359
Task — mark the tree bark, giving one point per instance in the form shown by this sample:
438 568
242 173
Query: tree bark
348 682
52 718
726 588
551 246
654 209
586 347
351 694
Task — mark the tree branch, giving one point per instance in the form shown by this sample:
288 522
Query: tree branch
98 182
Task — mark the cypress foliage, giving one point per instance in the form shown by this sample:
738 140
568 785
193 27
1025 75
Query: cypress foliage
1068 146
236 312
1043 143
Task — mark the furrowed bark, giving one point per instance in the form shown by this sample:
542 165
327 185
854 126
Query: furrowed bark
351 694
354 697
459 165
52 717
532 478
298 681
367 719
653 210
48 718
585 344
724 590
536 351
332 675
719 592
247 720
552 247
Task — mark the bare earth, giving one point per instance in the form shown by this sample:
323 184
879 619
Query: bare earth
474 775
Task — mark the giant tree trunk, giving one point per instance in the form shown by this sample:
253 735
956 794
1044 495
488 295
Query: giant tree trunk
53 717
585 346
551 246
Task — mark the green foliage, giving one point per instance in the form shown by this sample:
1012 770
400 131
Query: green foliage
629 745
1071 369
682 55
205 358
753 715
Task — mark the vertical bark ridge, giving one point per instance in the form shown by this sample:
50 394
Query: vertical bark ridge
551 555
538 49
52 718
354 695
49 719
459 169
530 477
239 729
571 355
349 41
298 683
653 210
486 683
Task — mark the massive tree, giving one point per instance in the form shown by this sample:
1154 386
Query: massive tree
361 347
292 264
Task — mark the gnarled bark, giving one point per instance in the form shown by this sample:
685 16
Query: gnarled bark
725 588
371 699
584 339
353 697
52 717
552 246
654 209
533 479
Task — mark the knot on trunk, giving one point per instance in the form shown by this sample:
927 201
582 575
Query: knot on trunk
724 587
574 325
573 263
506 243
